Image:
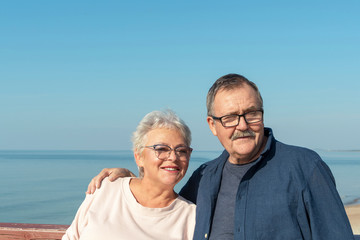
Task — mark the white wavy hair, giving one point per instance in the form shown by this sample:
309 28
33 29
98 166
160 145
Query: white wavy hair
155 120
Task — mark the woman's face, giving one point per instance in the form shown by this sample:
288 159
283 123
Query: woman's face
167 171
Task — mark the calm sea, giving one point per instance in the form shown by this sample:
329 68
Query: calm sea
48 186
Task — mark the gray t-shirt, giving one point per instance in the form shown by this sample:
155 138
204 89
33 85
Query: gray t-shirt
223 221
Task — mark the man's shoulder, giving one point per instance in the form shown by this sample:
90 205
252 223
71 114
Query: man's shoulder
288 150
297 156
295 162
295 151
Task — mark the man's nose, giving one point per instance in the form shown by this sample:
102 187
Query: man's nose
242 124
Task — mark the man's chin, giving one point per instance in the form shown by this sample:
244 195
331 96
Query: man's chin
246 151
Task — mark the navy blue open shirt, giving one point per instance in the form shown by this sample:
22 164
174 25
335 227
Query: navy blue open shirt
288 194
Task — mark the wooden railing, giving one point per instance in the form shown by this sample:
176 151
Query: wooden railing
23 231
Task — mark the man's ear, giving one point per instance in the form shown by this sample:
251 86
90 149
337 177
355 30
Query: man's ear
211 123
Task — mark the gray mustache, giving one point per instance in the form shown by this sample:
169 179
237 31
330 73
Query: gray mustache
239 134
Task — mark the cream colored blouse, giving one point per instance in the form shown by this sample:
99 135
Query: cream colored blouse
112 212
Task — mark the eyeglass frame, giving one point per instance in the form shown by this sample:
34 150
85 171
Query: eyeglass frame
239 116
169 152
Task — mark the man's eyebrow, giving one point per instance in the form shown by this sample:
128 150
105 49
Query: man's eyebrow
250 109
253 108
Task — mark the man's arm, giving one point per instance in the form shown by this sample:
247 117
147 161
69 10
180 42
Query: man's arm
325 210
112 173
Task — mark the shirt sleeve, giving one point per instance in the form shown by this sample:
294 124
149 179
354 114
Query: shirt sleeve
80 221
325 214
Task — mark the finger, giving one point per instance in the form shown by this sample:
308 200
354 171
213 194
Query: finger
91 187
96 181
112 177
100 177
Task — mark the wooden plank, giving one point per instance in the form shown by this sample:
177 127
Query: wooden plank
24 231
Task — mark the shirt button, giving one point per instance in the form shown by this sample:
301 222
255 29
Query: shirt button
205 235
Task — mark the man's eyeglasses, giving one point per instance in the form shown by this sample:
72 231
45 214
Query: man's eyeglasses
233 120
163 152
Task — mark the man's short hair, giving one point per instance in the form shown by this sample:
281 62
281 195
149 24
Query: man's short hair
229 82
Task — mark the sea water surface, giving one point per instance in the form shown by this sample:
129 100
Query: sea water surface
48 186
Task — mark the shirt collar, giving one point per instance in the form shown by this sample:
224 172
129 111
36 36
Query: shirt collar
270 140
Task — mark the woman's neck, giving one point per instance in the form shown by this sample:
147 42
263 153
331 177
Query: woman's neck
150 195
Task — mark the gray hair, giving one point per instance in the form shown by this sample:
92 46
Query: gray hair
155 120
229 82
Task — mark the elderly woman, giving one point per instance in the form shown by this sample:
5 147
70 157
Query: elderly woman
146 207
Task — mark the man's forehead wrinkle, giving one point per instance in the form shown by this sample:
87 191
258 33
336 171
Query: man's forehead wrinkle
234 105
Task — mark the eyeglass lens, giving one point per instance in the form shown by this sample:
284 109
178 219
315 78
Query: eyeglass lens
233 120
164 151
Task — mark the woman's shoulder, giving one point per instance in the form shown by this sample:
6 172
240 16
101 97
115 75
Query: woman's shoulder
185 202
109 186
185 208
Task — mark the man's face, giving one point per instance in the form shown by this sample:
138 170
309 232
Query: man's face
238 101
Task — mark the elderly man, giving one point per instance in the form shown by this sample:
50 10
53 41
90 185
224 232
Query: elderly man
259 188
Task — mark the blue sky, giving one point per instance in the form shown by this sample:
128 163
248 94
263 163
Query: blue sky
81 74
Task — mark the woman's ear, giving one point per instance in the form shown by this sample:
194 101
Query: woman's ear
138 158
